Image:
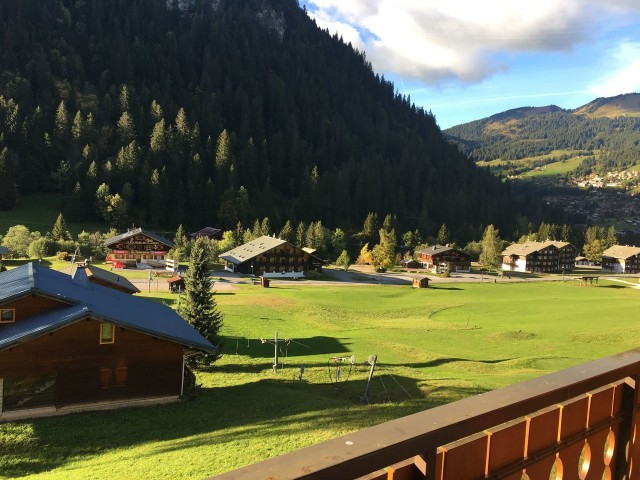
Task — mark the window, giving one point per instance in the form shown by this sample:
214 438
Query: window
7 315
107 333
122 374
104 378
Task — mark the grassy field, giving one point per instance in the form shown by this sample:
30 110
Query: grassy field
434 346
38 212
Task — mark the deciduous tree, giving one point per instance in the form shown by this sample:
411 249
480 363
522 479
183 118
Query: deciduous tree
490 257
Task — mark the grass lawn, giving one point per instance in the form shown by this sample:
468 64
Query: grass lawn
433 345
38 212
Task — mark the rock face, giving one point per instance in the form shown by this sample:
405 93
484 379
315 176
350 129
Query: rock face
265 13
272 20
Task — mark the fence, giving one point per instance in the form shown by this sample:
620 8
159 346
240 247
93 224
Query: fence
578 423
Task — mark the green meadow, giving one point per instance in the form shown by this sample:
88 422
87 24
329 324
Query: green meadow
434 346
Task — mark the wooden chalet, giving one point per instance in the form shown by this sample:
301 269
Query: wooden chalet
443 258
410 263
208 232
138 246
176 284
271 257
104 278
3 251
621 259
69 344
544 257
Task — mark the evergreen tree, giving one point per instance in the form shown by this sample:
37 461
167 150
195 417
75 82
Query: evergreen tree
180 240
8 189
443 235
490 257
369 229
566 234
59 231
611 238
287 233
301 232
265 227
200 308
61 126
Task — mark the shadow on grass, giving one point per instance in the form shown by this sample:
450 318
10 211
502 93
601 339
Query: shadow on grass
614 286
444 361
438 287
215 416
255 348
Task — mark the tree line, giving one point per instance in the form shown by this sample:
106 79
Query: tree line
376 243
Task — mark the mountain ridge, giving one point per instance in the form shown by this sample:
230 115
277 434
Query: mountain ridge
606 126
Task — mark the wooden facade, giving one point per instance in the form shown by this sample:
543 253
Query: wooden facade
621 259
71 366
539 257
270 257
66 341
138 246
439 258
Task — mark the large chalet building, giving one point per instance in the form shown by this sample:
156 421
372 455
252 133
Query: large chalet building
271 257
138 246
67 344
621 259
443 258
539 257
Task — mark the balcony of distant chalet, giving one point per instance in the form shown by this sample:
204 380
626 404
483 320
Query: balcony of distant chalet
579 423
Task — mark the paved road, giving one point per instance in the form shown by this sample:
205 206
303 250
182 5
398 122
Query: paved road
364 275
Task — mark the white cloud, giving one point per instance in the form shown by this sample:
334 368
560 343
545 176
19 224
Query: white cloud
625 74
437 41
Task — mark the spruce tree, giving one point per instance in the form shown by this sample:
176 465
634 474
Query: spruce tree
8 190
59 231
200 308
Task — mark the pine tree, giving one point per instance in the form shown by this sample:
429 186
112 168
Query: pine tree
59 230
200 308
443 235
287 233
8 190
61 125
611 238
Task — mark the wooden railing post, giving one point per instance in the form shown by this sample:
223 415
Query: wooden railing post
625 445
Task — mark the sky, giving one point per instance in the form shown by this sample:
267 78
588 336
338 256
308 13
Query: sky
464 60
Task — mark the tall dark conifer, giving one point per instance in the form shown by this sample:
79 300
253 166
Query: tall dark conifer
200 308
8 190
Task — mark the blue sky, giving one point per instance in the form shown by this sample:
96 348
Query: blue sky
469 59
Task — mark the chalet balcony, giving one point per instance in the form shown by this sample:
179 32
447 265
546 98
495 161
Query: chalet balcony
578 423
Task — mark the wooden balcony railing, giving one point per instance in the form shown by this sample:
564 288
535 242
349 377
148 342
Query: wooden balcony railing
578 423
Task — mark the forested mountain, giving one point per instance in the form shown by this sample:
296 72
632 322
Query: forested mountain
609 126
219 111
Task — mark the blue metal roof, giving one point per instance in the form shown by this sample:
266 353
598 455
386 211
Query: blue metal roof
88 299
